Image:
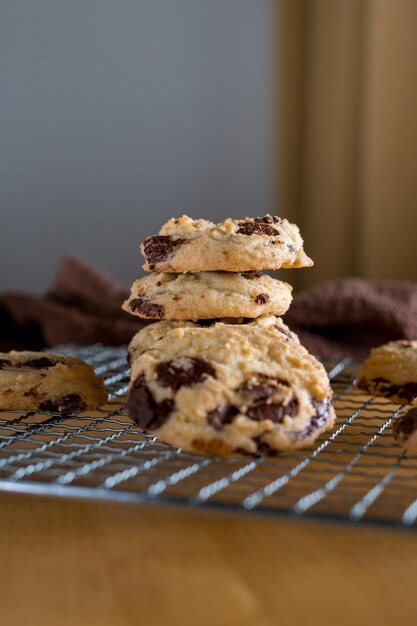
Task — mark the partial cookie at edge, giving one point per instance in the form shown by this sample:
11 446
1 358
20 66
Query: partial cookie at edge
32 381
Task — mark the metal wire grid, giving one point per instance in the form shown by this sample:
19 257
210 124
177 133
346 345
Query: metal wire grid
357 473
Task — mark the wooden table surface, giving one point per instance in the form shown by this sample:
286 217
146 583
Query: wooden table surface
69 562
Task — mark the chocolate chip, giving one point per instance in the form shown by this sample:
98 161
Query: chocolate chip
318 420
176 298
41 363
274 411
269 219
255 228
160 248
147 308
263 448
143 409
221 416
184 372
291 248
260 390
407 392
262 298
65 404
405 425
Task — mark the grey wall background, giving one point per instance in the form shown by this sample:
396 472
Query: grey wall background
116 115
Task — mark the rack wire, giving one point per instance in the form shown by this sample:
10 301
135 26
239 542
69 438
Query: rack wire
357 473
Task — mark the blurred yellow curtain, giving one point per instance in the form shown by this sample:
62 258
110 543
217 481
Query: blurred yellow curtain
347 134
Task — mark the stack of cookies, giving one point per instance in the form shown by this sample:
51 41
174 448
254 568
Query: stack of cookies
219 372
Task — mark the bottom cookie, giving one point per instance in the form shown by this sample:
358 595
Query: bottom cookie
230 390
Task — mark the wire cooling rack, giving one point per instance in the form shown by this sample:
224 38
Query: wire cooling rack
357 473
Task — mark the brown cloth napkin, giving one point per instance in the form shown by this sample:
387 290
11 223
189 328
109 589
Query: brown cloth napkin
334 320
347 317
82 307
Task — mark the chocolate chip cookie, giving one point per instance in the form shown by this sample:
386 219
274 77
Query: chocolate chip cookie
391 371
405 430
208 295
262 243
158 330
228 389
40 381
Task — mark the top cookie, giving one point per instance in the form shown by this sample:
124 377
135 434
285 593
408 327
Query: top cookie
261 243
391 371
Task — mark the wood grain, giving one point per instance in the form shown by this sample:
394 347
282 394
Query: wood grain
73 562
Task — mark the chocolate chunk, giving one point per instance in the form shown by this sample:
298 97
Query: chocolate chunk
65 404
263 448
407 392
256 228
266 401
405 425
262 298
269 219
147 308
160 248
274 411
260 390
41 363
318 420
221 416
184 372
143 409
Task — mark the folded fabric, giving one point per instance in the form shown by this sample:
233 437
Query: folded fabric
83 307
347 317
336 319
